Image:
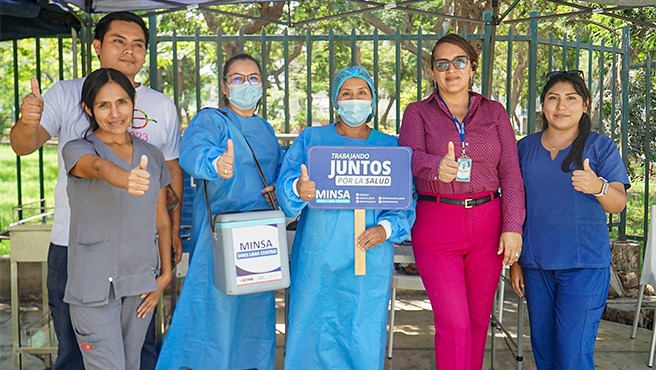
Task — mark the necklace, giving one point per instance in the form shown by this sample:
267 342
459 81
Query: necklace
554 147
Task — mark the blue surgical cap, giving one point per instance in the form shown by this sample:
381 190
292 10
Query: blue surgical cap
351 72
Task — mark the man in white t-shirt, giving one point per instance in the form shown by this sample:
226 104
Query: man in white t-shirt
120 42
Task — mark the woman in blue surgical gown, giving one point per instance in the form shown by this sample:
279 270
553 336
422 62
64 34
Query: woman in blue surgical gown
211 330
338 320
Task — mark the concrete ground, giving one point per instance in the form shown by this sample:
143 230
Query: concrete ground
413 339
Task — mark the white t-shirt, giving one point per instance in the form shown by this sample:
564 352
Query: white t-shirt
155 121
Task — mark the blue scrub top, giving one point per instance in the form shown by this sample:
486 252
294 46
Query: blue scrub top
337 320
209 329
565 228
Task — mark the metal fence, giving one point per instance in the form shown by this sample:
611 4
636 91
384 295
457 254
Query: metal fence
298 70
642 111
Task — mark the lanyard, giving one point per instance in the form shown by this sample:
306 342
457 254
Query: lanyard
460 126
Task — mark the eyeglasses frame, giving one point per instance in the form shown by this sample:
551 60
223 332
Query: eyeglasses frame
246 78
452 62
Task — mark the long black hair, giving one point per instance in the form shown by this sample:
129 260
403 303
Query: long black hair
94 82
575 155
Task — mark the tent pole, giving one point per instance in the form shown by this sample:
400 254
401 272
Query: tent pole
505 14
87 38
74 38
489 41
152 44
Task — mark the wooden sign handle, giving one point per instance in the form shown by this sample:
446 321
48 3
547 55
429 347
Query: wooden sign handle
360 255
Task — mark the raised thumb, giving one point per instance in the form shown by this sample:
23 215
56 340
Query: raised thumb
34 84
231 148
304 173
144 162
451 151
586 165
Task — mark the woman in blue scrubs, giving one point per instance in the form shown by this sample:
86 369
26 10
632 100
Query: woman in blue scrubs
212 330
338 320
572 177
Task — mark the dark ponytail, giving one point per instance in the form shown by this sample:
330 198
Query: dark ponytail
575 155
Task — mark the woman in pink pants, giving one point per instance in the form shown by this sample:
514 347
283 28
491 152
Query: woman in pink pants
464 157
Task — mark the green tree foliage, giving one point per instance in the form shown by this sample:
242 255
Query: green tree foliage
195 67
25 59
643 40
641 138
318 15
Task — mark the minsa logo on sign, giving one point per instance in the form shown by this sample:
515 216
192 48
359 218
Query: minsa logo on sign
255 244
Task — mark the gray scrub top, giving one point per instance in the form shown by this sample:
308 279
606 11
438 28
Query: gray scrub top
113 235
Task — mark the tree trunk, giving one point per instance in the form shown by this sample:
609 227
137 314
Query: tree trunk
383 118
270 10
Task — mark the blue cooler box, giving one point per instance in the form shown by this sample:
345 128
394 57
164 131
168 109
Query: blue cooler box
250 252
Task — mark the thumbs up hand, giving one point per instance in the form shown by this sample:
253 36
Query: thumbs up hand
143 164
586 165
226 162
305 187
139 178
32 106
448 168
586 180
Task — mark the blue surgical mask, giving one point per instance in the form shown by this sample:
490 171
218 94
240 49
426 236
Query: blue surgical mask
354 112
245 96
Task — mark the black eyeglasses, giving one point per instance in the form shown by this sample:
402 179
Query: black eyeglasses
558 74
442 65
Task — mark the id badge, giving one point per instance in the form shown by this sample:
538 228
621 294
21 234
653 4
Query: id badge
464 169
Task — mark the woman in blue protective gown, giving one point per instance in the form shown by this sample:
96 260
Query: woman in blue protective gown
338 320
572 177
211 330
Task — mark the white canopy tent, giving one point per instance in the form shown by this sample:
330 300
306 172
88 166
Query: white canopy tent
107 6
610 8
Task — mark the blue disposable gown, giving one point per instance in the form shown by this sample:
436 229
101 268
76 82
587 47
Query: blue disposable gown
336 320
211 330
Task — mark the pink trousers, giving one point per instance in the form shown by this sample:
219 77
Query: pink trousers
456 254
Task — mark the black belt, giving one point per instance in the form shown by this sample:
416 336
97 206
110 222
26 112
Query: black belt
468 203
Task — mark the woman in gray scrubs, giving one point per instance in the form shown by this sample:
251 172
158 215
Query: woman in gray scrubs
120 240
